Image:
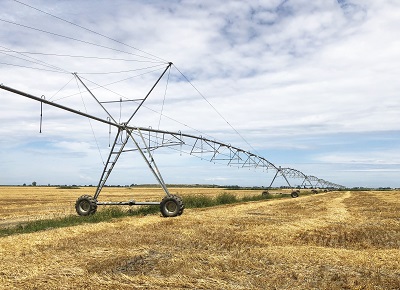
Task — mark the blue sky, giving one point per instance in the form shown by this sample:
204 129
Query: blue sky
311 85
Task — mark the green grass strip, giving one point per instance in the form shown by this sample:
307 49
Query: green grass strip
193 201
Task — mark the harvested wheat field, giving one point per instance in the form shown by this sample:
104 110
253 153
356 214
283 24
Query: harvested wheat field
22 204
334 240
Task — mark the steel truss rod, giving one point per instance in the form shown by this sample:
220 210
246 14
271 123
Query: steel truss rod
150 161
315 179
109 166
109 115
294 173
148 94
324 183
213 151
114 155
282 173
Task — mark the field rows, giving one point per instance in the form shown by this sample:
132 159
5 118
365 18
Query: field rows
21 204
336 240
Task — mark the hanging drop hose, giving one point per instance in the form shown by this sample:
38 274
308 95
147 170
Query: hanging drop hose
120 109
41 114
109 132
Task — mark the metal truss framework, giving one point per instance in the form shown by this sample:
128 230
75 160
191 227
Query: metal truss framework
308 180
146 140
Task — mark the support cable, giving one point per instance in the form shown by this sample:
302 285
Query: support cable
118 72
149 92
35 68
78 78
30 59
62 88
70 38
165 94
90 123
154 111
163 103
236 131
98 86
82 56
87 29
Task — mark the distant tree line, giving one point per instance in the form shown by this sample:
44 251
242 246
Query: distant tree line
228 187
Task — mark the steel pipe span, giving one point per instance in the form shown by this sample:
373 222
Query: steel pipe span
204 148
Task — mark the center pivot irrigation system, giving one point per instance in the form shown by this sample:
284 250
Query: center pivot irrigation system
146 140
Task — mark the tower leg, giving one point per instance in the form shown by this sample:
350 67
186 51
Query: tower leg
109 166
149 160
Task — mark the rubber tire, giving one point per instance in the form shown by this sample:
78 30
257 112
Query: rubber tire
265 193
171 206
181 204
86 205
294 194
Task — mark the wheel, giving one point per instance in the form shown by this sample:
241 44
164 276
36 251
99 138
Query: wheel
171 206
294 194
314 191
86 205
182 206
265 193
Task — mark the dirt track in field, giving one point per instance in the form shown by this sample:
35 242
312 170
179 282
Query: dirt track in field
335 240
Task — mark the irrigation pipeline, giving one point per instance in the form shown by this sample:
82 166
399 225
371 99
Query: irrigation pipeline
55 105
204 148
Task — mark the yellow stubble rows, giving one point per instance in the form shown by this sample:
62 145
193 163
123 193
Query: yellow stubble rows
312 242
21 204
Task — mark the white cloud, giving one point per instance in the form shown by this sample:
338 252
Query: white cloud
276 70
382 157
